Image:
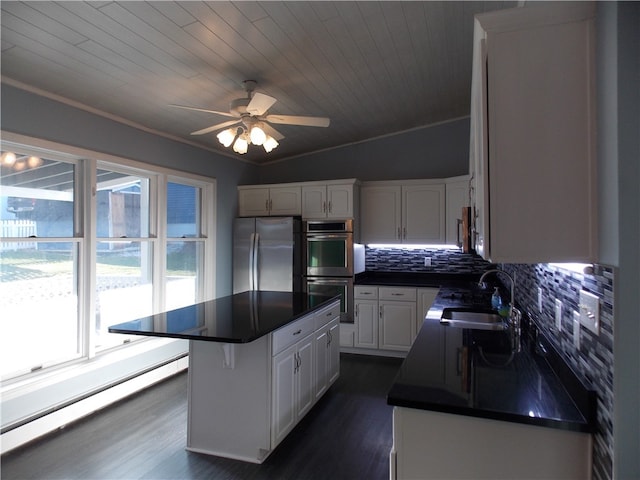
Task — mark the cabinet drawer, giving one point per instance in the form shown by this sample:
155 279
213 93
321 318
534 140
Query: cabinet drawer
291 333
397 293
327 314
365 292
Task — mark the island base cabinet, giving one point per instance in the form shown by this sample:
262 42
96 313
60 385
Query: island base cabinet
244 398
229 399
434 445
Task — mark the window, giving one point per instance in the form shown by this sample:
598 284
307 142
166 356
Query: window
89 243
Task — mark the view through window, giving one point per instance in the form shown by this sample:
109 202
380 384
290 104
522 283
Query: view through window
72 263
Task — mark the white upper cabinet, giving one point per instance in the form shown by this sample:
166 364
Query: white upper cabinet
329 201
408 213
381 209
264 201
533 157
457 197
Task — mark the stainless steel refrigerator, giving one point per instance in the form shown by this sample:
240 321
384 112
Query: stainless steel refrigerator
267 254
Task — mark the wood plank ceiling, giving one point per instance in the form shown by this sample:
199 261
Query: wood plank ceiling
373 68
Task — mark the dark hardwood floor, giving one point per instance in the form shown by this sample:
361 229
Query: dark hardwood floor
347 436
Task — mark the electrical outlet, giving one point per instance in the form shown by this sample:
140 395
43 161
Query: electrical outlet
590 311
576 329
558 315
427 261
539 300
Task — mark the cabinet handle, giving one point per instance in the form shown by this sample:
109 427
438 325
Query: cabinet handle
357 305
329 206
398 294
270 204
404 233
298 332
399 236
266 204
380 311
324 207
329 338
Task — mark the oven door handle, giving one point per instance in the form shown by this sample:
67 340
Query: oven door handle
328 236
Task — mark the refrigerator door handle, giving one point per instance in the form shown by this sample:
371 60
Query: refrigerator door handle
254 264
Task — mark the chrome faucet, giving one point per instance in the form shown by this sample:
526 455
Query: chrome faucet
513 283
515 316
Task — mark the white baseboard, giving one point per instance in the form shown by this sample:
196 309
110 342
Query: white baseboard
48 423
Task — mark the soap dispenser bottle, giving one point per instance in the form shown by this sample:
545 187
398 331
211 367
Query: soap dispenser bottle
496 300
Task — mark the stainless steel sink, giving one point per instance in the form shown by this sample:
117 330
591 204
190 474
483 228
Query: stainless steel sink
472 318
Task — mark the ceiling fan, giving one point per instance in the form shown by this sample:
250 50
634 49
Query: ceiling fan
251 115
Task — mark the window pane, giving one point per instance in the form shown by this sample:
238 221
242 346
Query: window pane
39 305
36 196
124 288
122 204
184 270
183 210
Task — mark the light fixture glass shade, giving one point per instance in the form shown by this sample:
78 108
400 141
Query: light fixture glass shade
34 161
241 145
226 137
269 144
257 135
8 158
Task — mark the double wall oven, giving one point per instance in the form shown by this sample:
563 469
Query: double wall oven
329 260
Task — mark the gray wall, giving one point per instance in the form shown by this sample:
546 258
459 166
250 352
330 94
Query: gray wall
438 151
36 116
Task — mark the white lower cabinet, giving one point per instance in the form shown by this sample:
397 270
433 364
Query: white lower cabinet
397 325
435 445
385 317
327 355
293 392
245 398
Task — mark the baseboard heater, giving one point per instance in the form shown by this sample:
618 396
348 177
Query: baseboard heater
19 434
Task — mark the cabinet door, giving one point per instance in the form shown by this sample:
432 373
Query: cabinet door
333 359
366 321
284 201
284 393
340 201
457 196
305 376
253 202
314 201
322 361
397 325
380 208
423 214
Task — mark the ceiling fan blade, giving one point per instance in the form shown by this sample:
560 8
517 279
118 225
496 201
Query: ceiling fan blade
260 103
226 114
298 120
215 127
272 132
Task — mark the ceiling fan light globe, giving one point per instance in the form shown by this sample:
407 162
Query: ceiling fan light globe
241 146
258 136
269 144
226 137
8 159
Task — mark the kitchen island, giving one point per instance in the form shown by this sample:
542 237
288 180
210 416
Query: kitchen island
258 362
466 405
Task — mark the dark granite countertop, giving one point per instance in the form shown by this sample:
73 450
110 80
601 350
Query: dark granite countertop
473 372
239 318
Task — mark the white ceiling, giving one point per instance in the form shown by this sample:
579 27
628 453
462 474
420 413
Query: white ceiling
373 68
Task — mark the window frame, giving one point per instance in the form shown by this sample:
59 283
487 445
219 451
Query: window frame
87 163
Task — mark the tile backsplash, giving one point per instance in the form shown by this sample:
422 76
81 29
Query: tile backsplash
398 259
